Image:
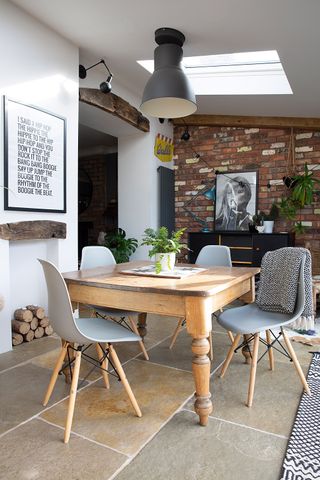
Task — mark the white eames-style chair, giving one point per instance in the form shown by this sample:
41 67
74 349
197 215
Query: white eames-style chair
100 256
250 320
77 335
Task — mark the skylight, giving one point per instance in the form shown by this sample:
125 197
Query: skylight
247 73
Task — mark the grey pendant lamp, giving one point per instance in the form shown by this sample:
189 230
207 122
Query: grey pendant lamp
168 93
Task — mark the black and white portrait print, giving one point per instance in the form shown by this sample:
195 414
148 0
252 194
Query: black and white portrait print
236 200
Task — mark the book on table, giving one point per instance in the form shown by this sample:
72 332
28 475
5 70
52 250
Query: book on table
150 271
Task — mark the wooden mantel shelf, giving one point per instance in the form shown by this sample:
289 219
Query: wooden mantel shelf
33 230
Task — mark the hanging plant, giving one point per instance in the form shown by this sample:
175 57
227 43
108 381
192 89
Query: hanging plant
304 187
301 194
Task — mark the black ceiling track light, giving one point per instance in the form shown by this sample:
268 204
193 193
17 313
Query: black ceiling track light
105 87
168 93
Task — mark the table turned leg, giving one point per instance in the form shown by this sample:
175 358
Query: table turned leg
142 325
201 374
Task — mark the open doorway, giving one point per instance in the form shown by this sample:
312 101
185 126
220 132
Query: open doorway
98 185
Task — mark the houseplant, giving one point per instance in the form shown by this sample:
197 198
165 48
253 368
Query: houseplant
163 247
265 221
269 218
300 193
121 247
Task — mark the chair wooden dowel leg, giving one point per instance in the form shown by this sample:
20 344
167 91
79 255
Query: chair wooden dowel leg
230 355
296 362
270 350
55 373
230 335
136 331
73 394
176 332
253 369
104 365
124 380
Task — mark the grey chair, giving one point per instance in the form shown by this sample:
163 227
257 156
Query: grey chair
77 335
250 320
209 256
99 256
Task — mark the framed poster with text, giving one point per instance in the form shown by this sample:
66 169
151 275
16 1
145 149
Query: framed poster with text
34 159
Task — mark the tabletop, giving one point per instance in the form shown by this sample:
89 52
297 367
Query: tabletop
207 283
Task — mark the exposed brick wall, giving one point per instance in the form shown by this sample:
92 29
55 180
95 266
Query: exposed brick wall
231 149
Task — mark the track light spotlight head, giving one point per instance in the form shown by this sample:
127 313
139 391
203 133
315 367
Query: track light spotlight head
82 72
186 135
105 87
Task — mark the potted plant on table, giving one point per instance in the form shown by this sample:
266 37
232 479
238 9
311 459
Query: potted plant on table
164 247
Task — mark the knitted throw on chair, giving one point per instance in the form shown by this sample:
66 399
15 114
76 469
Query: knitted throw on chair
279 283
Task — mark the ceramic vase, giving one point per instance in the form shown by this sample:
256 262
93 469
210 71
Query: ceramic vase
268 226
166 260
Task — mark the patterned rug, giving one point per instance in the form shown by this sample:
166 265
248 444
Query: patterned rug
302 460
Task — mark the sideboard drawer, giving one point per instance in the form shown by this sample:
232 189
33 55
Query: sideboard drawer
236 240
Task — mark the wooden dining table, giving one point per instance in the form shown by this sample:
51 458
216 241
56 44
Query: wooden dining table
194 298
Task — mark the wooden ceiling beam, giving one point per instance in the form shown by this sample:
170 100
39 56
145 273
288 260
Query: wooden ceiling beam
115 105
248 121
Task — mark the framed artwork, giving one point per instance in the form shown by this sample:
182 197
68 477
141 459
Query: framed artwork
34 159
236 200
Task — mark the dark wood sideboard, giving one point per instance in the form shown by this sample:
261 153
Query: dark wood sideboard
247 249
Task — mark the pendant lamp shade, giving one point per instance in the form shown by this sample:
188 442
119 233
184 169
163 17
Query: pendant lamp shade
168 93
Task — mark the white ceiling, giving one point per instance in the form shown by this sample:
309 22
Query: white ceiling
123 32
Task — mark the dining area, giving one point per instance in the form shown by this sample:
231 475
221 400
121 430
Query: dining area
194 298
157 347
180 378
107 439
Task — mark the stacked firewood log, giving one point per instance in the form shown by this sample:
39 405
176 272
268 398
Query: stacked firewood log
30 323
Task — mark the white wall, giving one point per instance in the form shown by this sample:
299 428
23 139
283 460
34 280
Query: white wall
138 182
138 193
40 68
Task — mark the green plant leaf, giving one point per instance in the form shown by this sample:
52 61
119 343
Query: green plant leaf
161 242
121 247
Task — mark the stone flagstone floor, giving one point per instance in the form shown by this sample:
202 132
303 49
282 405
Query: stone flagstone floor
108 441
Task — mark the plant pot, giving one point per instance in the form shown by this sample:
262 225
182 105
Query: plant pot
268 226
166 261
